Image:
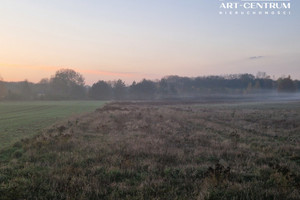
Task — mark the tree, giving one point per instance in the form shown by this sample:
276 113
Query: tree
286 85
297 84
246 79
101 91
3 91
119 89
257 85
68 84
26 90
42 88
69 76
262 75
167 86
145 89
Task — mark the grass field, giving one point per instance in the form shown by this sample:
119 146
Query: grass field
24 119
245 151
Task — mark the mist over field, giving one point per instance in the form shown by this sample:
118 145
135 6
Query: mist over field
68 84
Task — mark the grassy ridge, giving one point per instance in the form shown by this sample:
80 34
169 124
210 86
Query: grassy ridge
143 151
24 119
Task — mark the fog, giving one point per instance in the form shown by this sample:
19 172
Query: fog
67 84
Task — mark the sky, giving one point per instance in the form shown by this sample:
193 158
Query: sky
136 39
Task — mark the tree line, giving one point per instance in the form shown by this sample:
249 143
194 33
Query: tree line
67 84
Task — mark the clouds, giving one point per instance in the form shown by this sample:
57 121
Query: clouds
256 57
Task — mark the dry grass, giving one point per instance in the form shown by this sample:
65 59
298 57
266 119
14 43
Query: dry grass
161 151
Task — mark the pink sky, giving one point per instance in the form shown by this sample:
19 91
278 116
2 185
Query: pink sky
35 74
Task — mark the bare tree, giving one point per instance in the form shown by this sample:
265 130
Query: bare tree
262 75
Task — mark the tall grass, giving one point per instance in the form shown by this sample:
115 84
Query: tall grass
144 151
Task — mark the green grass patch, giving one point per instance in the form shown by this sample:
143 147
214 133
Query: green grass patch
20 120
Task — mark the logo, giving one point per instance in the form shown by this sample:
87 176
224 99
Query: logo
255 7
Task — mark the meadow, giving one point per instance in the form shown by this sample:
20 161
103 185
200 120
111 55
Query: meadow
20 120
161 150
